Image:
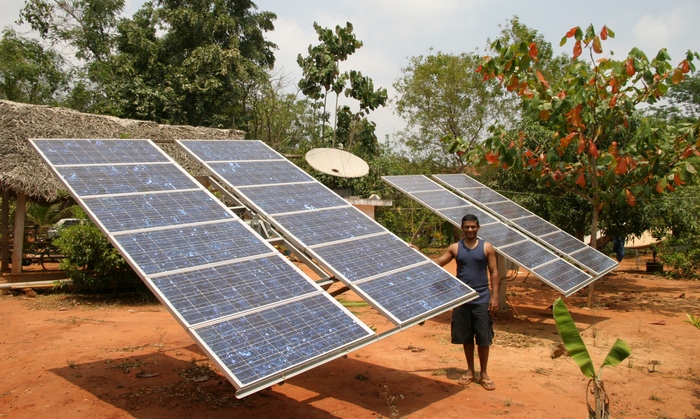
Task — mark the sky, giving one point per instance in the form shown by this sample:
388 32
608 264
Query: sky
393 31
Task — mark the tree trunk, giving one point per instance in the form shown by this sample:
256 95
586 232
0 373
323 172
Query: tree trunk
593 243
18 241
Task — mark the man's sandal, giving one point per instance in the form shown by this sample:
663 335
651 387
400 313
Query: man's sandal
465 380
488 384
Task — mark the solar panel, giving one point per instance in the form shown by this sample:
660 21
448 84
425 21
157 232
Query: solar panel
120 179
224 284
135 212
291 197
259 344
316 227
561 241
508 241
338 236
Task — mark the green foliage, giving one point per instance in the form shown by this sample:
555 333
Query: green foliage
322 76
92 264
601 149
29 72
579 353
681 255
695 321
441 96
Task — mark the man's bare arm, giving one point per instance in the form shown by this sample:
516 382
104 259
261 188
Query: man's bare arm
450 253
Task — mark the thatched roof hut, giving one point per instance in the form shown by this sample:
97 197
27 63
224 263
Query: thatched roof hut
22 172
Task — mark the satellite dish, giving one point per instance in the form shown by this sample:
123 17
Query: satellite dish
337 162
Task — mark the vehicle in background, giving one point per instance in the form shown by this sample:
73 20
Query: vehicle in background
55 230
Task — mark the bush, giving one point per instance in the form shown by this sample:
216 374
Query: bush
682 256
92 263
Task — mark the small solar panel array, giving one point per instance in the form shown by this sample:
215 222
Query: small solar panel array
255 314
398 281
511 243
552 236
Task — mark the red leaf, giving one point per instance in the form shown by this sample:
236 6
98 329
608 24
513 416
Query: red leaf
685 66
577 49
677 180
566 140
491 157
562 95
558 176
540 77
581 180
677 76
574 116
613 101
533 51
581 144
479 68
631 200
571 32
593 149
604 33
629 68
528 153
596 46
621 167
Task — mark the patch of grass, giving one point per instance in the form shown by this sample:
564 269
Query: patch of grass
126 367
362 376
655 398
196 372
540 370
74 319
392 402
130 348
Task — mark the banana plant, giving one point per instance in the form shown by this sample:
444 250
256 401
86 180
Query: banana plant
579 353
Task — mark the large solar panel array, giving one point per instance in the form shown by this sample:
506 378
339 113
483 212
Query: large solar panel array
255 314
400 282
511 243
552 236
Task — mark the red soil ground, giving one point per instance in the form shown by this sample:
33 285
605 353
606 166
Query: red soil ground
68 357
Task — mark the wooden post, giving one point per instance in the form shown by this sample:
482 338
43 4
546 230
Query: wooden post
5 223
18 243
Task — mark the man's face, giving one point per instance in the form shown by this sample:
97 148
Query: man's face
469 229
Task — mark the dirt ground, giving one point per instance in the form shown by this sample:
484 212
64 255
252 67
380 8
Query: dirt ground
67 357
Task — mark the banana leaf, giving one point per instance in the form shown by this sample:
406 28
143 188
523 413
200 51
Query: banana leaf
618 353
572 338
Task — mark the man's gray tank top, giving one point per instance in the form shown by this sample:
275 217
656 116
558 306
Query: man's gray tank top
471 269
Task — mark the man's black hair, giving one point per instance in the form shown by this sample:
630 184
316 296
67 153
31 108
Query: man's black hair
470 217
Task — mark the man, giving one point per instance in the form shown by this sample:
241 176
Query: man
473 320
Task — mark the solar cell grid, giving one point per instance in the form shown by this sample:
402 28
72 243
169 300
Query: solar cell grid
409 294
501 235
111 179
535 225
528 254
278 199
260 172
166 250
412 183
563 276
459 181
509 210
483 195
70 151
217 150
596 261
259 344
316 227
367 257
440 199
564 242
134 212
209 293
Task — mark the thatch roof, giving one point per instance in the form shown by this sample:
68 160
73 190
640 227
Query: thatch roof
23 171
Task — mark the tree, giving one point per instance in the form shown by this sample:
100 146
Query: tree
322 75
189 62
441 96
30 73
595 153
87 26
